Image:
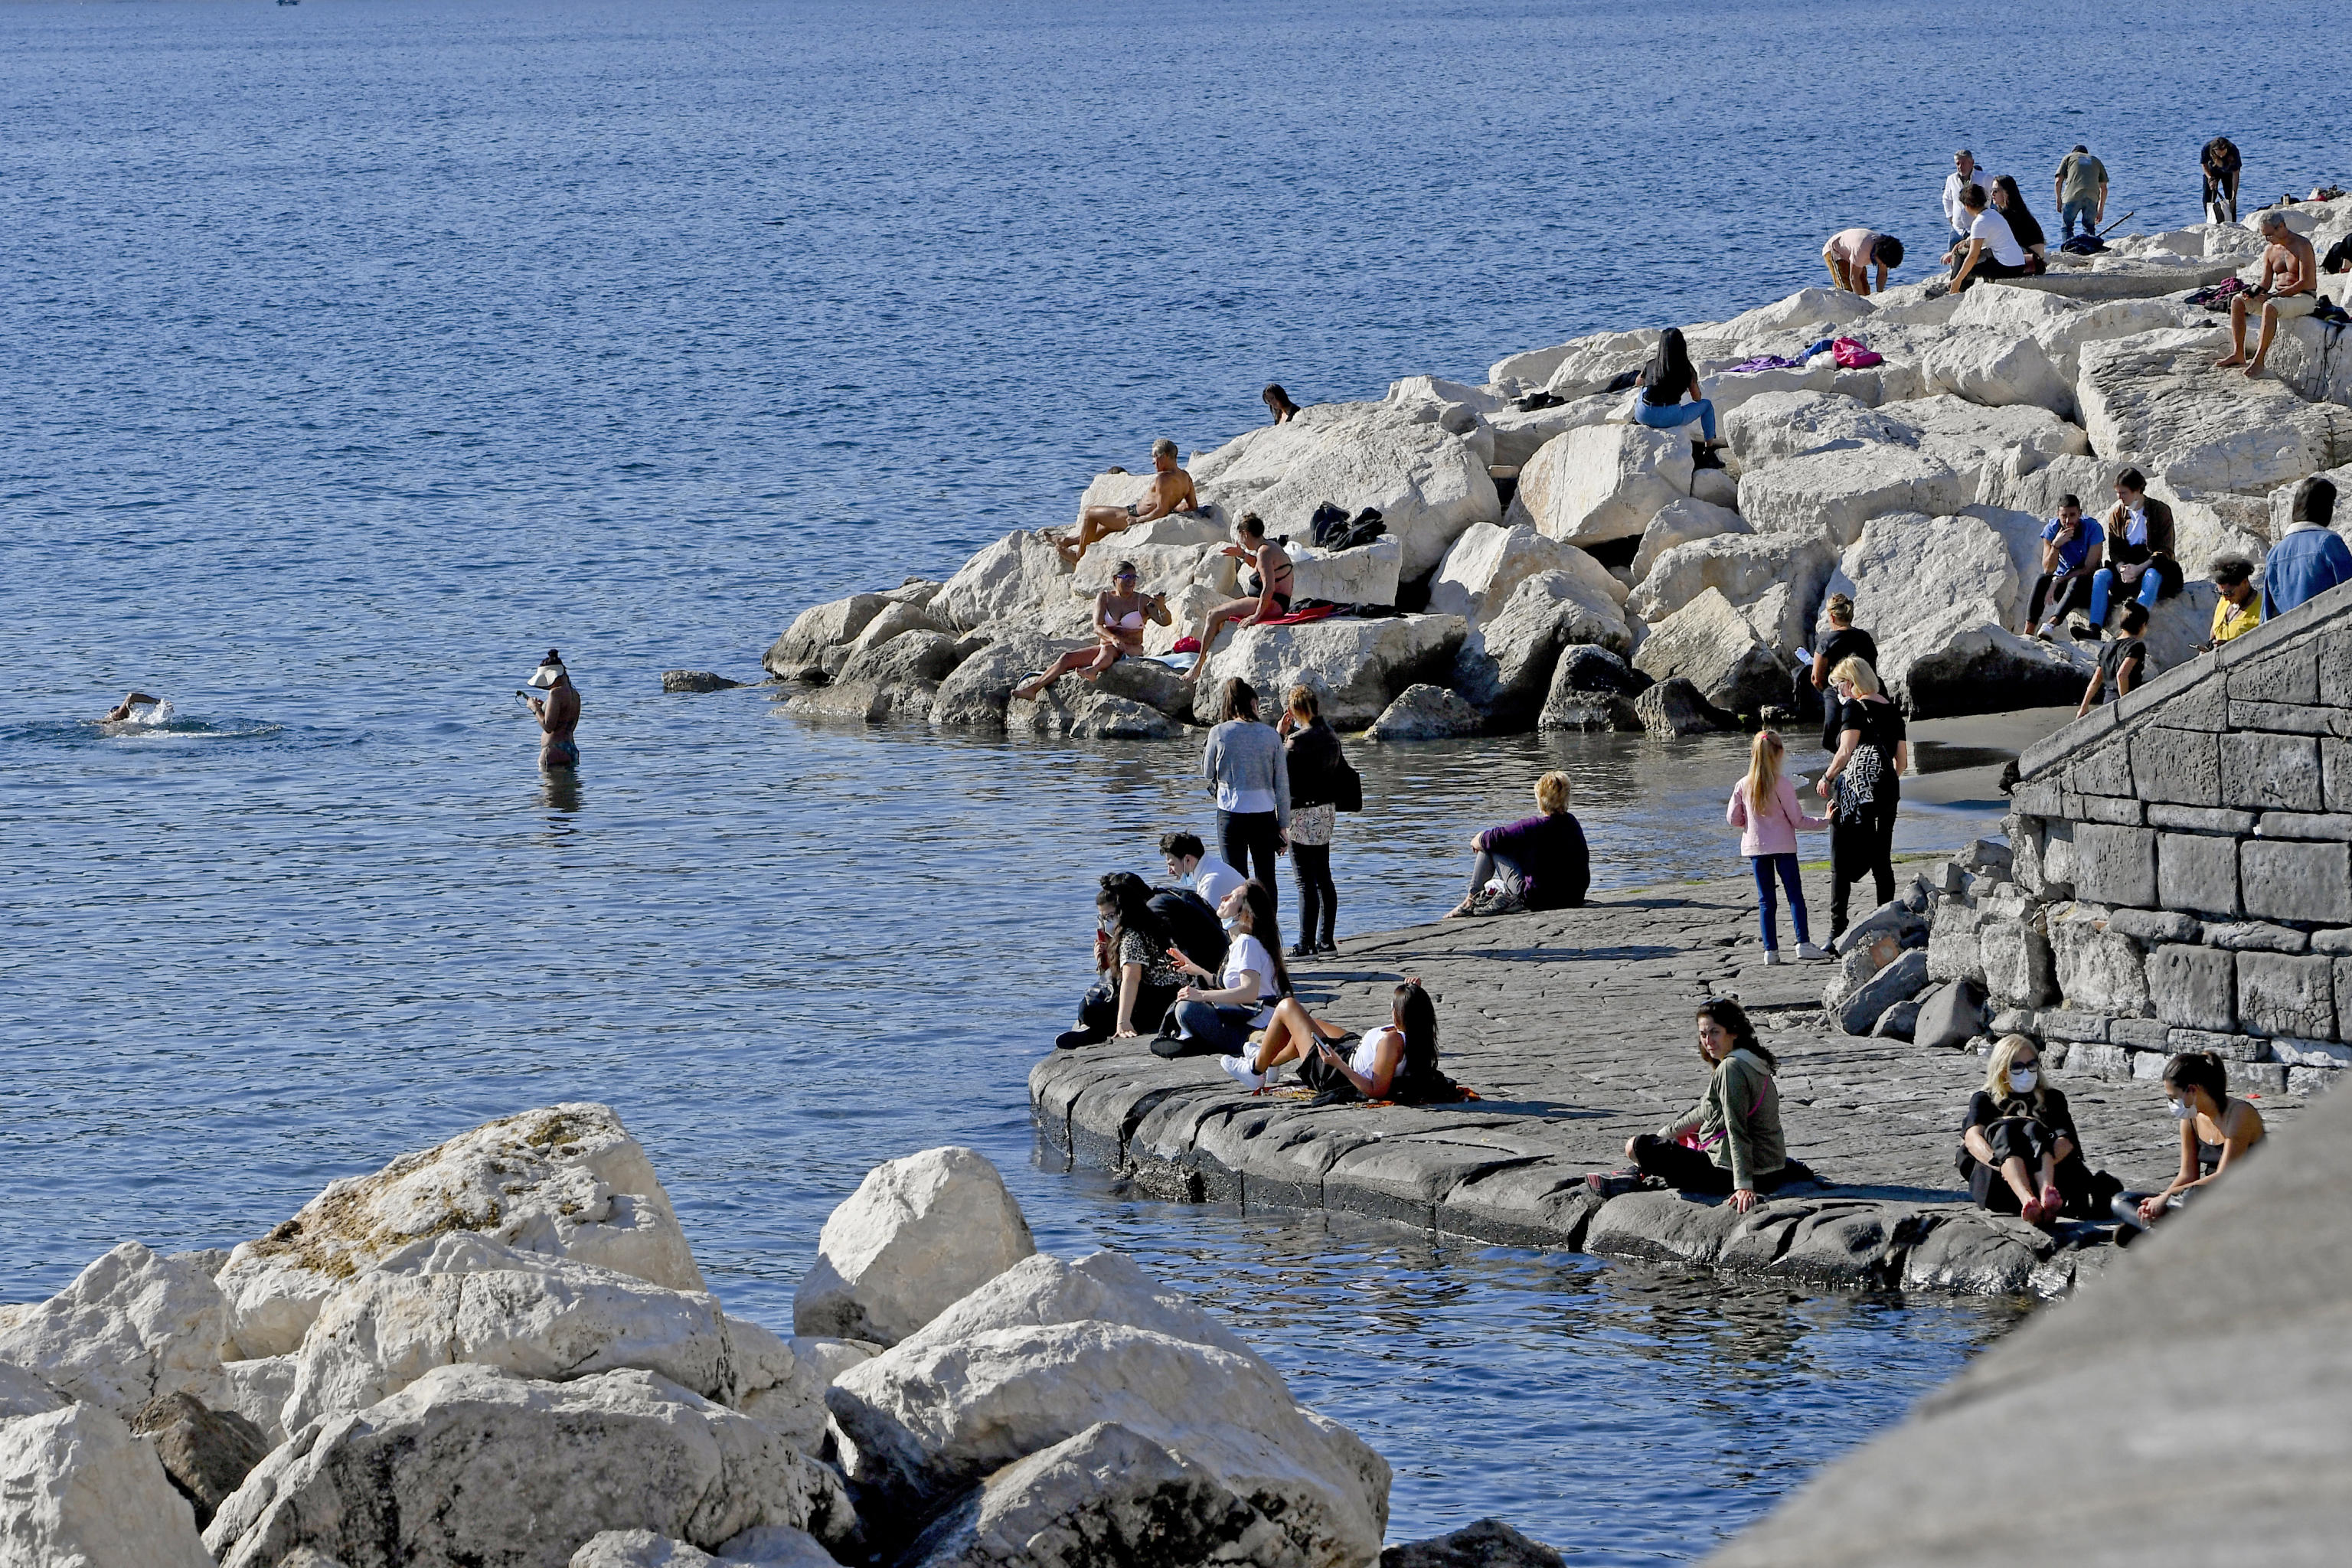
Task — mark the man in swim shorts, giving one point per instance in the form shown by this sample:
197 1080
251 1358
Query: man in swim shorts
2289 288
1119 614
559 715
1171 493
121 712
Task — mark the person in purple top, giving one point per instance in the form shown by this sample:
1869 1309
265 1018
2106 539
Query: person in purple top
1537 863
2310 557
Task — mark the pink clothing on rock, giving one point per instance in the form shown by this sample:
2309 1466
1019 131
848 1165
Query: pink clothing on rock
1773 832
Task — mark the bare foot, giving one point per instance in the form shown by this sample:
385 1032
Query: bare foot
1026 693
2227 360
2254 370
1458 911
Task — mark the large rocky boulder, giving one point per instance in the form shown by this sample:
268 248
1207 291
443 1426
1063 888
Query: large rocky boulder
1167 569
132 1327
1368 575
977 691
1490 559
1520 433
81 1490
2157 398
799 654
1356 667
761 1546
1675 707
1906 569
1505 666
2060 326
1020 572
1576 367
898 678
1962 660
1777 424
1602 482
1680 522
1832 492
1997 370
1081 710
1988 446
1488 1544
1426 713
1427 483
1709 644
468 1465
1742 567
1591 690
918 1234
567 1180
206 1453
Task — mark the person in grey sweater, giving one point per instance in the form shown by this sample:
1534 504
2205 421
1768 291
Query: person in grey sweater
1247 766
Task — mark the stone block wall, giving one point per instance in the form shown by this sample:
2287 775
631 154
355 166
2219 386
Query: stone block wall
2180 871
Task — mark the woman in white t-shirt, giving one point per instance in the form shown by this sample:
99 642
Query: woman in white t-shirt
1397 1061
1252 980
1993 250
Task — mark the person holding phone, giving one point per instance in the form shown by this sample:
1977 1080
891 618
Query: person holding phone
1397 1061
1252 980
558 714
1119 614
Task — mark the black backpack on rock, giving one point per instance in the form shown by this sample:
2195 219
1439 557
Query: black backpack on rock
1192 925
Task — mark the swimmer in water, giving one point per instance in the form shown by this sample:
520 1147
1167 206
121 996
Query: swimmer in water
559 715
121 712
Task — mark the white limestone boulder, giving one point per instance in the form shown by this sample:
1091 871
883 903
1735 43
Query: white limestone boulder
1833 493
2060 325
895 619
1808 311
132 1327
567 1180
1709 643
1490 561
899 679
1427 483
918 1234
1681 522
468 1465
258 1388
1020 572
1583 366
762 1546
2179 625
1505 664
1075 709
1740 566
1777 424
1355 666
2281 505
799 654
2307 356
1167 569
1729 393
2158 399
1927 303
1990 448
1997 370
1520 433
1602 482
977 691
1367 574
78 1489
1100 1288
1906 570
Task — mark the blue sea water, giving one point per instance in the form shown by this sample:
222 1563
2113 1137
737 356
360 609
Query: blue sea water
351 354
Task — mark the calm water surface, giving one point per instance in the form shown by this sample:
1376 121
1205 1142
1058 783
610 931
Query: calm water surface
351 354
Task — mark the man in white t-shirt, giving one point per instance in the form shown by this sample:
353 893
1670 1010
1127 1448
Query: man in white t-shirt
1964 173
1190 862
1992 248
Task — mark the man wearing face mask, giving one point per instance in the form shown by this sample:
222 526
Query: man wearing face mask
558 713
2019 1151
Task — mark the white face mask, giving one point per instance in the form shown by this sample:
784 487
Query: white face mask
1233 922
2020 1080
546 675
2179 1113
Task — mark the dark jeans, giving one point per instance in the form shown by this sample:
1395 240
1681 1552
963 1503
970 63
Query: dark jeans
1989 271
1688 1170
1859 849
2073 593
1227 1030
1319 896
1786 864
1099 1009
1489 866
1250 832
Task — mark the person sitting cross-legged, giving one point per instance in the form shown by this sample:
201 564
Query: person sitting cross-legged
2019 1151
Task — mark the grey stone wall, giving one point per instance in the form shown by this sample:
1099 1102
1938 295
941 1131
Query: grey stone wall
2180 873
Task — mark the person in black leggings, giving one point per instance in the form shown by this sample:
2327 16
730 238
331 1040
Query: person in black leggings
1249 770
1316 762
1865 776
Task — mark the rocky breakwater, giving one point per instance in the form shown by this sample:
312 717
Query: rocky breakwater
1528 518
500 1350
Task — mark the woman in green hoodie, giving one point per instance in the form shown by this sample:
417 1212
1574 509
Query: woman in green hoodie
1729 1143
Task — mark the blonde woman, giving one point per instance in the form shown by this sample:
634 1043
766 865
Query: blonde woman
2019 1151
1872 754
1764 808
1539 862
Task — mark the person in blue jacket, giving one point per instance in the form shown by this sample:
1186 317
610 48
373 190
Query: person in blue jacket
2311 558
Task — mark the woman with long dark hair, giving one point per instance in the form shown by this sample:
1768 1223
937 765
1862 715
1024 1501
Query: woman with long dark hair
1670 378
2215 1132
1252 980
2010 200
1277 402
1139 981
1729 1143
1397 1061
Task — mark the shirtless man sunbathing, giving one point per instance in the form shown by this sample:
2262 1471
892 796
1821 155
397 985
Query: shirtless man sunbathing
2288 288
1119 614
1171 493
1266 581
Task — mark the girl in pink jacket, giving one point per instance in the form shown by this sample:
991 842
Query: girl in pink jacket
1764 808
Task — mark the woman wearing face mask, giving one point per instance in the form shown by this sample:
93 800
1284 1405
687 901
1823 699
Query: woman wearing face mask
1730 1141
2019 1151
1250 982
2215 1131
1138 979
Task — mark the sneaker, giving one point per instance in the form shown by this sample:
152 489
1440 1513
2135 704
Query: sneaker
1238 1069
2085 634
1300 949
1772 956
1810 953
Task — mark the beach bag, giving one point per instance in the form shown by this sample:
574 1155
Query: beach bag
1329 521
2085 245
1853 353
1367 529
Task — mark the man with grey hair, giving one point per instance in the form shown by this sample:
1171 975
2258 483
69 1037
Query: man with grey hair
2309 558
2288 290
1964 173
1171 491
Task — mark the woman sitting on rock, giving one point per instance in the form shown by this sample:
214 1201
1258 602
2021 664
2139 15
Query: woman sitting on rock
2215 1131
1729 1143
1131 953
1396 1062
1670 378
2019 1151
1277 402
1866 776
1252 980
1119 614
2010 202
1539 862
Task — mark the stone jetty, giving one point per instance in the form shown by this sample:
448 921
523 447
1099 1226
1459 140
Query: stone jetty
501 1349
1526 516
1574 1026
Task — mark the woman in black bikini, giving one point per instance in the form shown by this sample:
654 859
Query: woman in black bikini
1266 581
2215 1132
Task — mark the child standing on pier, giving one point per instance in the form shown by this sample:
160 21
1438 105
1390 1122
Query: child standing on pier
1764 808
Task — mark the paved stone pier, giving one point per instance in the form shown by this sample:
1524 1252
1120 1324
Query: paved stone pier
1575 1027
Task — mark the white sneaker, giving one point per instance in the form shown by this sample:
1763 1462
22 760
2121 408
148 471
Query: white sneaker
1810 953
1772 955
1238 1069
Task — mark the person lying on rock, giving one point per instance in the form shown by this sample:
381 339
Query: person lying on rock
1539 862
2123 660
1252 980
1171 493
2237 608
1992 250
1397 1061
2139 549
1138 980
2289 288
1119 614
1730 1141
1265 582
2073 548
1669 378
1852 252
2019 1151
2215 1132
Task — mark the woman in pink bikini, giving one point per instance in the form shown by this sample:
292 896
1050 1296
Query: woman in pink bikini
1119 614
